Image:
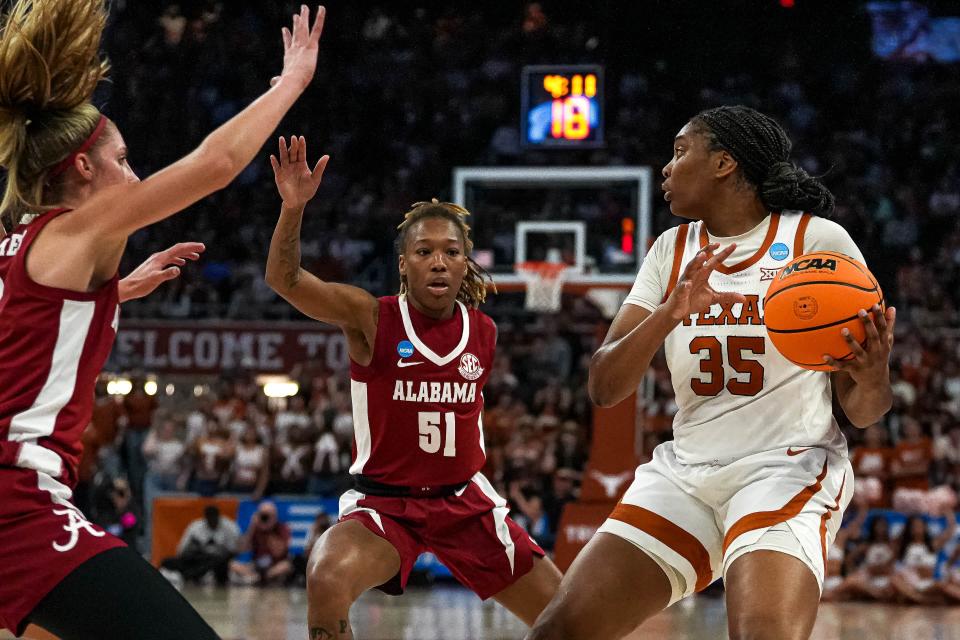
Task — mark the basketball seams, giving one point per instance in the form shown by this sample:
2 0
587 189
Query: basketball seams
824 282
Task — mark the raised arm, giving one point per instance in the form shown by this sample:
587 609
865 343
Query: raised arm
116 212
351 308
618 366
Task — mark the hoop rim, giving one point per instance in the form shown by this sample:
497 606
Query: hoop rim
546 270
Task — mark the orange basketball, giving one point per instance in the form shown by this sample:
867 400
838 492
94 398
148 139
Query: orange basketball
811 300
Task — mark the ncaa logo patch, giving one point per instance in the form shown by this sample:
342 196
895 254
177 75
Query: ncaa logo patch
470 366
779 251
405 348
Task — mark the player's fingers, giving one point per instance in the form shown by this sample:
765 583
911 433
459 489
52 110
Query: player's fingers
287 38
284 153
834 363
302 150
891 318
852 343
274 164
317 28
170 273
321 166
869 324
879 318
294 143
729 297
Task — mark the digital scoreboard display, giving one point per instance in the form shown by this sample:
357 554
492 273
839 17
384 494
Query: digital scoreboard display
562 106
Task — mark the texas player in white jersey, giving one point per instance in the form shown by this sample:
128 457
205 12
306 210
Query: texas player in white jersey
753 486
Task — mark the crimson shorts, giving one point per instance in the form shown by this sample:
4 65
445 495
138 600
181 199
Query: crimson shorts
43 538
470 533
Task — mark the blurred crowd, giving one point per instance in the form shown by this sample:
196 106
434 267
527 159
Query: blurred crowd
405 93
237 441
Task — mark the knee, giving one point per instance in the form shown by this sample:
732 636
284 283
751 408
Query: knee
553 625
331 578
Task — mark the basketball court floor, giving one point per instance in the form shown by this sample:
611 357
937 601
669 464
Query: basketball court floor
452 613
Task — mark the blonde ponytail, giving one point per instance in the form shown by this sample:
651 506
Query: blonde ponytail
49 67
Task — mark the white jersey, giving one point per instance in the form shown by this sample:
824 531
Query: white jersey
736 395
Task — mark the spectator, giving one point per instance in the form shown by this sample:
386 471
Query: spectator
914 577
250 470
212 455
911 458
294 415
873 562
293 462
138 408
207 546
268 540
873 460
326 465
118 514
108 417
164 453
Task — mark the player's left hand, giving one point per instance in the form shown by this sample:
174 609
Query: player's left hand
157 269
296 183
870 362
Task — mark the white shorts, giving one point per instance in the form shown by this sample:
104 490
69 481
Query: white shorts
697 519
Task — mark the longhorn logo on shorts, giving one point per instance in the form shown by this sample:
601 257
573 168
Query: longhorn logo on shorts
470 366
75 522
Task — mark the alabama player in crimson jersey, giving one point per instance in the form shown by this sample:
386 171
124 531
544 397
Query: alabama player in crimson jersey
753 486
418 364
70 201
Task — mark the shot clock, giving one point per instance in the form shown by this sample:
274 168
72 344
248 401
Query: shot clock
562 106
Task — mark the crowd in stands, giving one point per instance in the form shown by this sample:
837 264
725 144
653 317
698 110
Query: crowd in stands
404 94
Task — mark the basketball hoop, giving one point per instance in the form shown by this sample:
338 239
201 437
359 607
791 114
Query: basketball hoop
544 282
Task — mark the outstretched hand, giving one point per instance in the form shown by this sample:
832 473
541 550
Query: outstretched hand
300 47
693 293
157 269
296 183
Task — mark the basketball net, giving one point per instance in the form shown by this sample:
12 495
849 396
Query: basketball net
544 282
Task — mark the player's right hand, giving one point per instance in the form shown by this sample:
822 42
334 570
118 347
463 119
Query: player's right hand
300 47
693 293
296 183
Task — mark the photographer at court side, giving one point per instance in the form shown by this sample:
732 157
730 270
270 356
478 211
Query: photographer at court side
268 541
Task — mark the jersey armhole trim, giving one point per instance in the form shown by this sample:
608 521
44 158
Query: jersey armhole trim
678 250
801 232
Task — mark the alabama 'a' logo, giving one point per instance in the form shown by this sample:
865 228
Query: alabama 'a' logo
75 522
470 366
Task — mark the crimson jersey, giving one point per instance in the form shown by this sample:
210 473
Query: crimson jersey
53 344
417 407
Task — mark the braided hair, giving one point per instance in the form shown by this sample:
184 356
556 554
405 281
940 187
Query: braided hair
473 289
762 149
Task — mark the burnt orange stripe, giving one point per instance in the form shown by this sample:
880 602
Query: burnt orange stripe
752 260
763 519
671 535
826 516
801 231
678 249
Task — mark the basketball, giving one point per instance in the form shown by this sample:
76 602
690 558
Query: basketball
811 300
